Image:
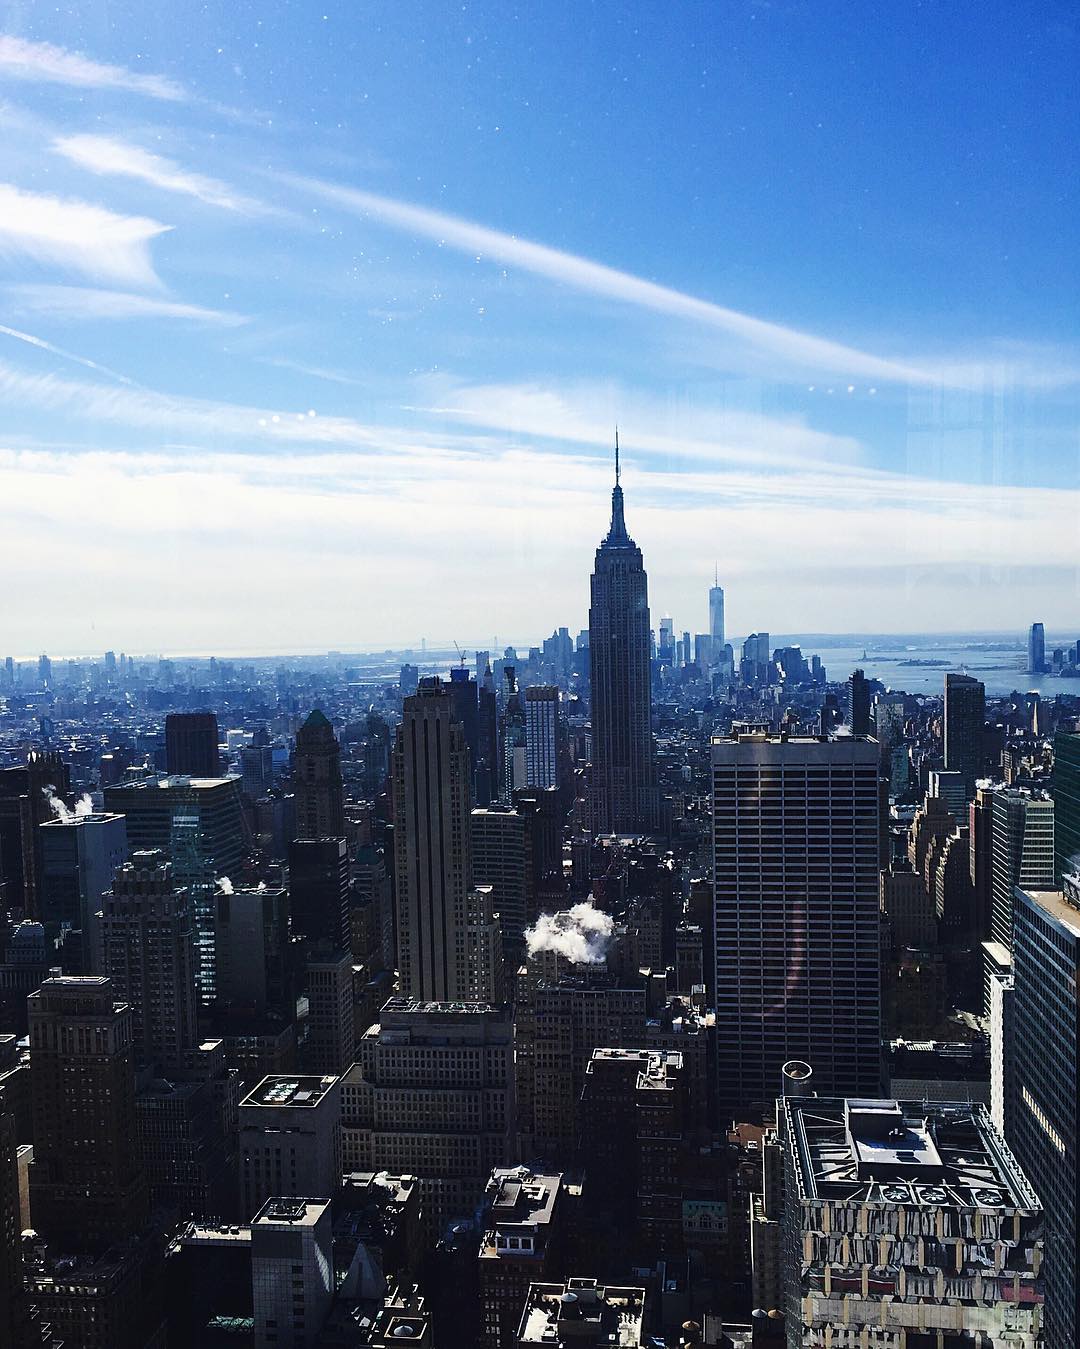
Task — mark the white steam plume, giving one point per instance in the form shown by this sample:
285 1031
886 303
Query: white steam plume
84 806
56 805
226 885
581 934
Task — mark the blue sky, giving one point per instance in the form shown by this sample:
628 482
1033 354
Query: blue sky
317 318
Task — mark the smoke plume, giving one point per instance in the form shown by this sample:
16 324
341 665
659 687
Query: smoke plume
226 885
581 934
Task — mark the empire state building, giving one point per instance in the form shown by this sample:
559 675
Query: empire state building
623 762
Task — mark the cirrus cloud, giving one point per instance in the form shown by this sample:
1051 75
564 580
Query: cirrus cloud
78 236
42 62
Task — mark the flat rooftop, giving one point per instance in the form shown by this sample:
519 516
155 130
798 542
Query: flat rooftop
581 1312
1058 907
400 1004
289 1089
520 1199
284 1210
903 1153
91 817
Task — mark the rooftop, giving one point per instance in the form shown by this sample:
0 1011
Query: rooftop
903 1153
521 1202
284 1210
1055 904
402 1004
581 1312
92 817
288 1089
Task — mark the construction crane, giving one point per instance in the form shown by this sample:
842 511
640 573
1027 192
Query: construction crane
461 655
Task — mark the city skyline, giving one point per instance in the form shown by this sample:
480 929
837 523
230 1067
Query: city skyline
312 333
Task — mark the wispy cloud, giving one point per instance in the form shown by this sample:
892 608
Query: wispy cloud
44 63
78 236
105 155
799 351
85 302
54 350
580 273
314 371
585 413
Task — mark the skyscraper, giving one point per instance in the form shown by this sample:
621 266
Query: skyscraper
432 1093
148 951
542 736
317 787
1044 1074
1066 792
191 744
716 616
795 868
79 856
292 1271
432 846
319 890
623 762
1036 649
200 824
1021 853
858 703
965 712
25 802
85 1193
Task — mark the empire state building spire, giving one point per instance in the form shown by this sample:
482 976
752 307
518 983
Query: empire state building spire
617 537
623 763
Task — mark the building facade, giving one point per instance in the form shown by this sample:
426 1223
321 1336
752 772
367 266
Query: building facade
317 786
290 1140
965 712
624 797
85 1191
1021 853
148 951
432 846
906 1224
797 922
1043 1082
191 744
542 732
432 1094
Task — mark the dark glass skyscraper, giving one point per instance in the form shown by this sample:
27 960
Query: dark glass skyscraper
1036 649
191 744
623 762
965 711
858 703
1066 794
